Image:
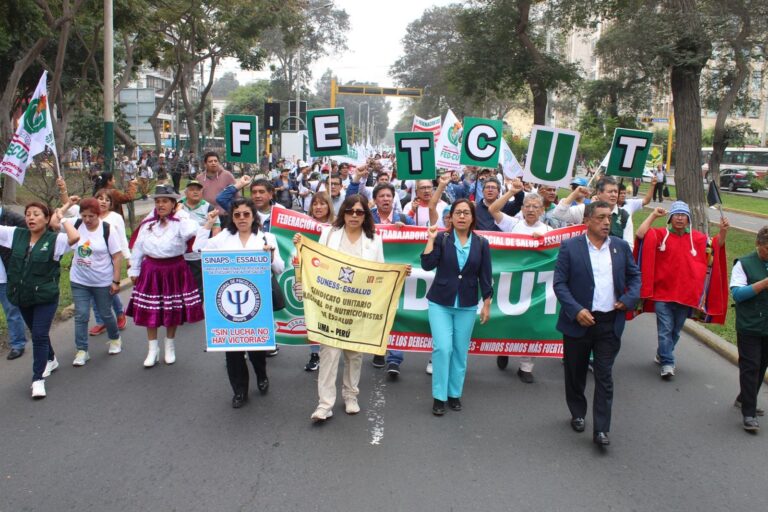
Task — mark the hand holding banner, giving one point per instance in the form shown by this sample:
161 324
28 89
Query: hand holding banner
349 303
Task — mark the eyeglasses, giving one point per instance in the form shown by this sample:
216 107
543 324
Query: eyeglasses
355 213
531 206
241 215
462 213
424 188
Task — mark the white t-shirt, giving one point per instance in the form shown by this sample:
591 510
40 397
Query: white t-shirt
92 261
6 240
517 226
117 223
421 218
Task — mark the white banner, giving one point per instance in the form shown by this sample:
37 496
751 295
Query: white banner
34 133
509 164
427 125
448 149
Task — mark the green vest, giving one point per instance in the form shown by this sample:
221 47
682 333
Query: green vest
752 314
33 277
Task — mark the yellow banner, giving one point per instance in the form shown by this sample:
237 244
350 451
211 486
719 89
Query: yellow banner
349 303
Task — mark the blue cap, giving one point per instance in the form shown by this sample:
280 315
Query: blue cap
582 182
679 207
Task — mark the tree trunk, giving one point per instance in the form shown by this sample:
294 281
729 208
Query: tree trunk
153 121
687 107
539 104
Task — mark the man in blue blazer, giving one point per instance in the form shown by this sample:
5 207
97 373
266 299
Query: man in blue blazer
596 281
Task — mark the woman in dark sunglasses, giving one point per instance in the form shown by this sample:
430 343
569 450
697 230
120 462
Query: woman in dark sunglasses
353 232
242 234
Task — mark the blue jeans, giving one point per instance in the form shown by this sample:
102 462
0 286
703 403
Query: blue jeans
395 356
82 296
451 333
17 337
670 317
39 319
117 307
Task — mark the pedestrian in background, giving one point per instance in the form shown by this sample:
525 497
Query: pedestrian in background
17 336
463 263
749 287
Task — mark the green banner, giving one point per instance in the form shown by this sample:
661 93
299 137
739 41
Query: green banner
481 145
242 138
524 308
415 152
629 153
327 132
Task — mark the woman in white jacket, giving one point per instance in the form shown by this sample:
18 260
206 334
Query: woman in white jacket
243 234
354 233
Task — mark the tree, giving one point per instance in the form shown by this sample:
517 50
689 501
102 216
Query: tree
224 85
508 46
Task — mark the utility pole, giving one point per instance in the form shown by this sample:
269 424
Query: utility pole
109 90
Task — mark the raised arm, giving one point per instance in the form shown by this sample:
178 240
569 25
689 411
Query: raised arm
646 225
513 188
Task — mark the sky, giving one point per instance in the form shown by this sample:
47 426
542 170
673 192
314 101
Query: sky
374 44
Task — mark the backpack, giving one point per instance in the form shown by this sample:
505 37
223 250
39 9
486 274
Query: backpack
104 229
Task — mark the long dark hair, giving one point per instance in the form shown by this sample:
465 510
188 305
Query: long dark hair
102 181
369 227
471 209
255 224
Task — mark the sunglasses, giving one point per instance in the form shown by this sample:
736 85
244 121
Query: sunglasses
355 213
241 215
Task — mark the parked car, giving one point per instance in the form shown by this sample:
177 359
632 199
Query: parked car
734 179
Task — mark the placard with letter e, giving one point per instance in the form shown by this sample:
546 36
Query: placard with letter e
415 153
551 154
629 153
481 145
242 138
238 300
327 132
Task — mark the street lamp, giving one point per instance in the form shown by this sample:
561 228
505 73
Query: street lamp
359 108
298 66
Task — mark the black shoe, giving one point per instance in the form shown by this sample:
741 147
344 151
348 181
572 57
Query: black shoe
263 385
313 364
736 404
502 362
751 425
15 353
454 404
526 377
393 370
438 407
601 439
239 400
273 353
378 361
578 424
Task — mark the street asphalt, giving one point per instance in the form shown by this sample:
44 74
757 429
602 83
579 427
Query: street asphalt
113 436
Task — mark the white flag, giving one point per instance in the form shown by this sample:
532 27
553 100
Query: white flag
427 125
509 164
448 148
604 163
34 133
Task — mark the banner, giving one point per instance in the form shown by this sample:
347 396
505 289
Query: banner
34 133
551 154
349 303
481 142
241 138
238 300
448 149
427 125
327 132
415 153
524 308
509 164
629 152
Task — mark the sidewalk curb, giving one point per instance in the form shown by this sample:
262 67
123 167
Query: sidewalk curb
744 212
69 311
727 350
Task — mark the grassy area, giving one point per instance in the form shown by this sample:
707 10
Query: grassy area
738 243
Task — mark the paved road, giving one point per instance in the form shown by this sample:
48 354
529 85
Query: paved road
113 436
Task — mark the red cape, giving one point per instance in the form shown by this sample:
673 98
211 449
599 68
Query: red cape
675 275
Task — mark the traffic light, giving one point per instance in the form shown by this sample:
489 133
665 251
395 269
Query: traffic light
272 116
166 126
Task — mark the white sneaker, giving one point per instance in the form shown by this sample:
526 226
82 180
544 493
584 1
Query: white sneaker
351 406
429 367
81 357
321 414
115 346
38 389
667 372
50 367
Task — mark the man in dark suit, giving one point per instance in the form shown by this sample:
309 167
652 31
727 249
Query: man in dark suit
596 281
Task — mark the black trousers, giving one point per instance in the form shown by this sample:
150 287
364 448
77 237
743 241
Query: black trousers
753 362
237 369
603 342
658 190
196 267
176 177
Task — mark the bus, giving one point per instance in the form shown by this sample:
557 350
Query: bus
752 159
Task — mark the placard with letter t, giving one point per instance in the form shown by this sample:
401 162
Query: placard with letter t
415 152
